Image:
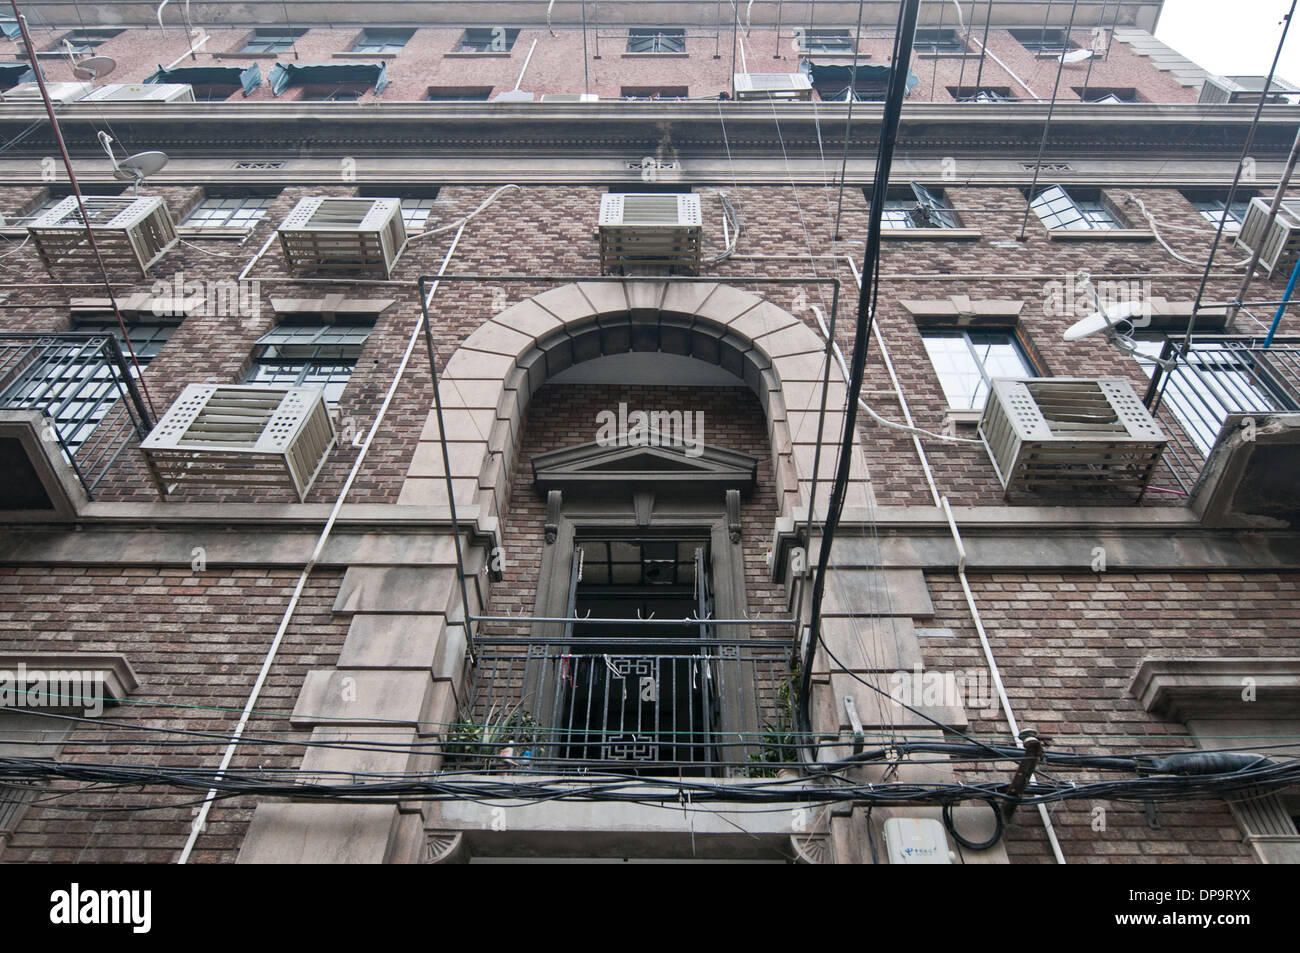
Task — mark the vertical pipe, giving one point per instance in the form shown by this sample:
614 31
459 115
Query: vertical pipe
1286 296
1047 123
586 74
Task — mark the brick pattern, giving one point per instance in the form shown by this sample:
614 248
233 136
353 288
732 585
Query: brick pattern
196 641
1067 646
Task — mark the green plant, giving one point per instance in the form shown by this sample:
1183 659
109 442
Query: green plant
780 744
487 741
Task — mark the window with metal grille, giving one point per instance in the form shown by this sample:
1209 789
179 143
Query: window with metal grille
1044 41
382 40
938 41
458 94
981 94
915 206
308 356
968 360
494 39
1077 209
1213 206
272 40
656 40
242 211
829 42
70 381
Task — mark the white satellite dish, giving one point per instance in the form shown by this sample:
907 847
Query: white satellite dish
1075 56
1097 321
94 67
134 169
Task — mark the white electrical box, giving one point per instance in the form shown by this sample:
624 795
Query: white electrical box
916 840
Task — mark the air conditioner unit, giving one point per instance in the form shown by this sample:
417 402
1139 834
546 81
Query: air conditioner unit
1243 90
129 231
570 98
343 235
1059 432
241 436
1278 241
660 229
142 93
59 92
773 86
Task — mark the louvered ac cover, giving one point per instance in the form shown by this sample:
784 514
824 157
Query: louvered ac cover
284 430
650 209
789 83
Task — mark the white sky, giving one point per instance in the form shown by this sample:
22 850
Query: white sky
1231 37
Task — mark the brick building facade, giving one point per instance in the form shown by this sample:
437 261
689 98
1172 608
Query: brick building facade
323 640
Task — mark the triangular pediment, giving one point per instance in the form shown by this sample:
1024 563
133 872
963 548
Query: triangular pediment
676 463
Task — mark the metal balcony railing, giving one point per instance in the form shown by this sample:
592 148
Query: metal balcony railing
1218 376
84 386
657 706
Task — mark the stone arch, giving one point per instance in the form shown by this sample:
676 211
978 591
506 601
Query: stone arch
487 383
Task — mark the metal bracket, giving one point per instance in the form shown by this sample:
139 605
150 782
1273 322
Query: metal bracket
554 502
1033 754
859 736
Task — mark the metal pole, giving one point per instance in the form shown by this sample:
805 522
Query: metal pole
1286 297
586 76
848 124
735 38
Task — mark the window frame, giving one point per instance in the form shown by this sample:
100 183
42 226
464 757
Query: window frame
1013 339
1043 46
930 41
366 46
473 41
244 200
1199 199
665 41
1089 211
271 41
305 346
825 41
900 211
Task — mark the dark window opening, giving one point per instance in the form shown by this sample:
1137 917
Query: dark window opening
1044 41
654 92
938 41
458 94
272 40
828 42
495 39
981 94
382 40
1108 94
656 40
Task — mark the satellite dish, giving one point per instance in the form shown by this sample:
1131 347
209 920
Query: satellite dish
1076 56
93 67
1097 321
136 168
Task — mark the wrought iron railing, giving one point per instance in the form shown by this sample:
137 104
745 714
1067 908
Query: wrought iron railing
1217 376
84 386
702 707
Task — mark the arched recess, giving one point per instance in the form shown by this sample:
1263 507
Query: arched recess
487 383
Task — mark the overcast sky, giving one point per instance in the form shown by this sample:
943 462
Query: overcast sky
1232 37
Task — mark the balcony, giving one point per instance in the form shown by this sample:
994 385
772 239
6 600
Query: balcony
700 707
1231 407
67 401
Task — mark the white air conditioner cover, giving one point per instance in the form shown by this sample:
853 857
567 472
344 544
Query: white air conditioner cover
772 83
1278 242
143 93
650 209
327 233
59 92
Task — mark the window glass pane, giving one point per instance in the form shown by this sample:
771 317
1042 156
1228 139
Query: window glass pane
308 356
244 212
656 40
967 361
488 40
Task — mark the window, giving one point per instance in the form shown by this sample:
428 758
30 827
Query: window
968 360
656 40
654 92
417 203
242 211
981 94
832 42
1051 42
71 382
938 41
1076 210
458 94
272 40
308 356
214 92
1212 205
494 39
1107 94
382 40
83 41
915 206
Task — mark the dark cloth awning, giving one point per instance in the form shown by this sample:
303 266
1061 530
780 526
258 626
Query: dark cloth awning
11 74
284 75
249 78
873 78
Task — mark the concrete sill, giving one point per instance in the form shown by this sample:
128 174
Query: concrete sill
962 417
932 234
940 56
655 56
1099 234
236 55
489 53
363 56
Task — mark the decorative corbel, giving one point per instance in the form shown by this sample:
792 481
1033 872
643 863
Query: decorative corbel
554 500
733 514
